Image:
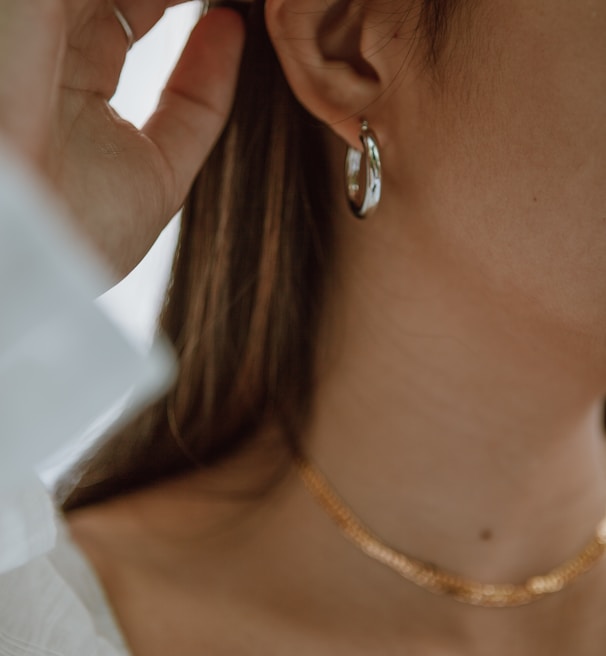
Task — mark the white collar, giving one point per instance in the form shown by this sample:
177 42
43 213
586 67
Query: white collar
28 525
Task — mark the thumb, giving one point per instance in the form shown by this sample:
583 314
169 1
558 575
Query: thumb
197 99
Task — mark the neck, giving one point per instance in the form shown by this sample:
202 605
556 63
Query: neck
461 432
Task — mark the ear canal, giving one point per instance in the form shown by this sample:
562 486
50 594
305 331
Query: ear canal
340 37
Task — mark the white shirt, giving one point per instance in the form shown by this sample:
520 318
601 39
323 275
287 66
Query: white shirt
51 336
55 606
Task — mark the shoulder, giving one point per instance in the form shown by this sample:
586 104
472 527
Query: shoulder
54 605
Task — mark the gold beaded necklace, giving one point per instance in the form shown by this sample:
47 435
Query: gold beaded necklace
438 581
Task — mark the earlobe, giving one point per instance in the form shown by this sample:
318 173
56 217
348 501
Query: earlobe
320 46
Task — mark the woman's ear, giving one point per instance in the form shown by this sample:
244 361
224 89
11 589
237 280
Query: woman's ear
331 54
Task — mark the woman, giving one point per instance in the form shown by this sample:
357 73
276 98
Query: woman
442 363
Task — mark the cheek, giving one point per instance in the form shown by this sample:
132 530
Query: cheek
516 163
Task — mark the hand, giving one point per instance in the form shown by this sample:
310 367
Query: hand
60 61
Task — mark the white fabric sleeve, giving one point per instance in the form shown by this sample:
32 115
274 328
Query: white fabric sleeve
63 363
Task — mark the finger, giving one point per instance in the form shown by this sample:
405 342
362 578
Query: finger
142 15
31 53
197 99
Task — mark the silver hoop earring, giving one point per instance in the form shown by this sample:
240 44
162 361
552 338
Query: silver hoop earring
364 187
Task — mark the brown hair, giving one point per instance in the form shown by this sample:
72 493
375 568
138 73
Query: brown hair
247 288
